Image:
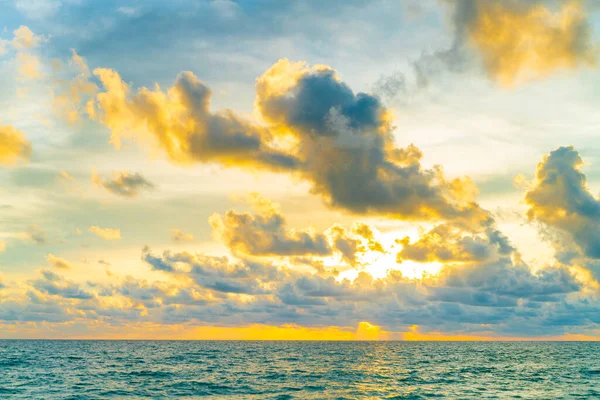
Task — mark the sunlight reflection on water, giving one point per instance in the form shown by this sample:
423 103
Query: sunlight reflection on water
161 369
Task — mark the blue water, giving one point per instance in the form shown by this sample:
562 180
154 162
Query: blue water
257 370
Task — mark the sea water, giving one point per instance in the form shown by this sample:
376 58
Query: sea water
32 369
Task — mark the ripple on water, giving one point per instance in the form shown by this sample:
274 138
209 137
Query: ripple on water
286 370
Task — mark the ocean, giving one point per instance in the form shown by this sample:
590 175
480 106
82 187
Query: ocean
46 369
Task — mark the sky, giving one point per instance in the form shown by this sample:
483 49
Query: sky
263 169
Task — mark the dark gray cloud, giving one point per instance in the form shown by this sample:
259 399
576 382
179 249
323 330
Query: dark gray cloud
461 294
562 203
454 243
153 295
508 298
215 273
501 280
317 128
125 184
266 233
52 284
347 151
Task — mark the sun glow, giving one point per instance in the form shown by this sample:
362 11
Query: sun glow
379 265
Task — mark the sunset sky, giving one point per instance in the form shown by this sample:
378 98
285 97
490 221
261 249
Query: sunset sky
266 169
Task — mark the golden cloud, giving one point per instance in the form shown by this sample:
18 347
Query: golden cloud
519 41
180 122
25 39
179 236
13 145
315 127
106 233
265 232
58 262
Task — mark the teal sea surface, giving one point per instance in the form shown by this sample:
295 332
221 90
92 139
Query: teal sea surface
45 369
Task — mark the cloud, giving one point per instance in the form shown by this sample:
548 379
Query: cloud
215 273
347 245
65 175
25 39
123 183
316 128
180 122
341 143
29 66
55 285
266 233
552 35
504 296
58 262
367 233
546 40
73 88
220 274
391 86
3 46
154 295
227 9
80 63
129 11
345 142
452 243
106 233
180 236
355 243
14 145
2 246
501 283
561 199
561 202
36 234
521 182
499 292
38 9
